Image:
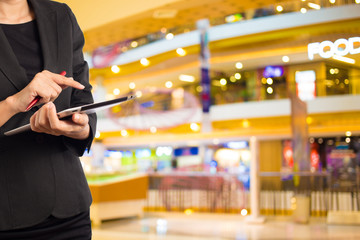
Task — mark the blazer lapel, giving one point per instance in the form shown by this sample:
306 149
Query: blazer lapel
47 25
9 64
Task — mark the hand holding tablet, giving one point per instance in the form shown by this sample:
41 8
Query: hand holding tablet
89 108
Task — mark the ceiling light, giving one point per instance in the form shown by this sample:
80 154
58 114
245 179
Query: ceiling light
168 84
279 8
124 133
223 81
186 78
132 85
285 59
239 65
153 129
116 91
314 6
244 212
237 76
344 59
332 1
145 62
181 52
138 94
169 36
194 127
245 123
357 1
115 69
303 10
134 44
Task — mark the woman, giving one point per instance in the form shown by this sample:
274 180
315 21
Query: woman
43 190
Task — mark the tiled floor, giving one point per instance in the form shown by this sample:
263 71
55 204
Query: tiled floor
177 226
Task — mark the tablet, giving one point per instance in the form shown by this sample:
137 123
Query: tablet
88 108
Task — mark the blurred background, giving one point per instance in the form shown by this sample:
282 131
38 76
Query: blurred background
246 112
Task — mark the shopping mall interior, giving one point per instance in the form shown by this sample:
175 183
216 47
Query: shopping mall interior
245 123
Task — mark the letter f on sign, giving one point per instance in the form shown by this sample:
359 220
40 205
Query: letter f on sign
313 48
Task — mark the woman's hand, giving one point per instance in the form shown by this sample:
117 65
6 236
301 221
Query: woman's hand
45 120
46 85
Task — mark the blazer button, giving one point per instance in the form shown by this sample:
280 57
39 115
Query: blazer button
39 139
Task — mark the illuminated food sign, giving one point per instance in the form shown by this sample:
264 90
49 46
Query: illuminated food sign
340 47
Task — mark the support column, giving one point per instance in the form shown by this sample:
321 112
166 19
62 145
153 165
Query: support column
254 183
301 155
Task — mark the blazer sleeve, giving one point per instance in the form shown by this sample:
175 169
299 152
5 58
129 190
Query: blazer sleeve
80 97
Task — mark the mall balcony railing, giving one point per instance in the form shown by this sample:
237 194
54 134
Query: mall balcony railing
228 193
240 91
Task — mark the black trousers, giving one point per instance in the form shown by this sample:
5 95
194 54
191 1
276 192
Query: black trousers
73 228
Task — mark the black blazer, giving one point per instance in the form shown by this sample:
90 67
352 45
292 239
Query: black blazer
41 174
